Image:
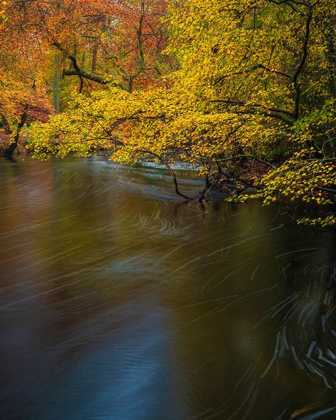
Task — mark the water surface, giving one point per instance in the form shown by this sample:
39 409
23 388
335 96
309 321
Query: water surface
119 301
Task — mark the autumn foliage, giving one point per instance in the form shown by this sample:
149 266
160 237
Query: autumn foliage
245 90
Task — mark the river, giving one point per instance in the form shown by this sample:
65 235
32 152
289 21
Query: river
118 301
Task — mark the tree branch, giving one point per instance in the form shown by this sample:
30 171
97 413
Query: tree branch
258 66
82 74
169 169
301 65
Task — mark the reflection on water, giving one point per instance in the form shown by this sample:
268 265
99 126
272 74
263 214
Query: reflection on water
118 301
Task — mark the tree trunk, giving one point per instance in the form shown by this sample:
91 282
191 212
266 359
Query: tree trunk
11 148
94 57
57 82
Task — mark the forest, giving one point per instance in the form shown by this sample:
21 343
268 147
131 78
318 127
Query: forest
244 91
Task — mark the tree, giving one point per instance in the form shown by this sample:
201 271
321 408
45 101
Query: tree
97 43
253 101
105 42
23 90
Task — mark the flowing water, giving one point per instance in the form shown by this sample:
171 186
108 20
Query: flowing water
118 301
